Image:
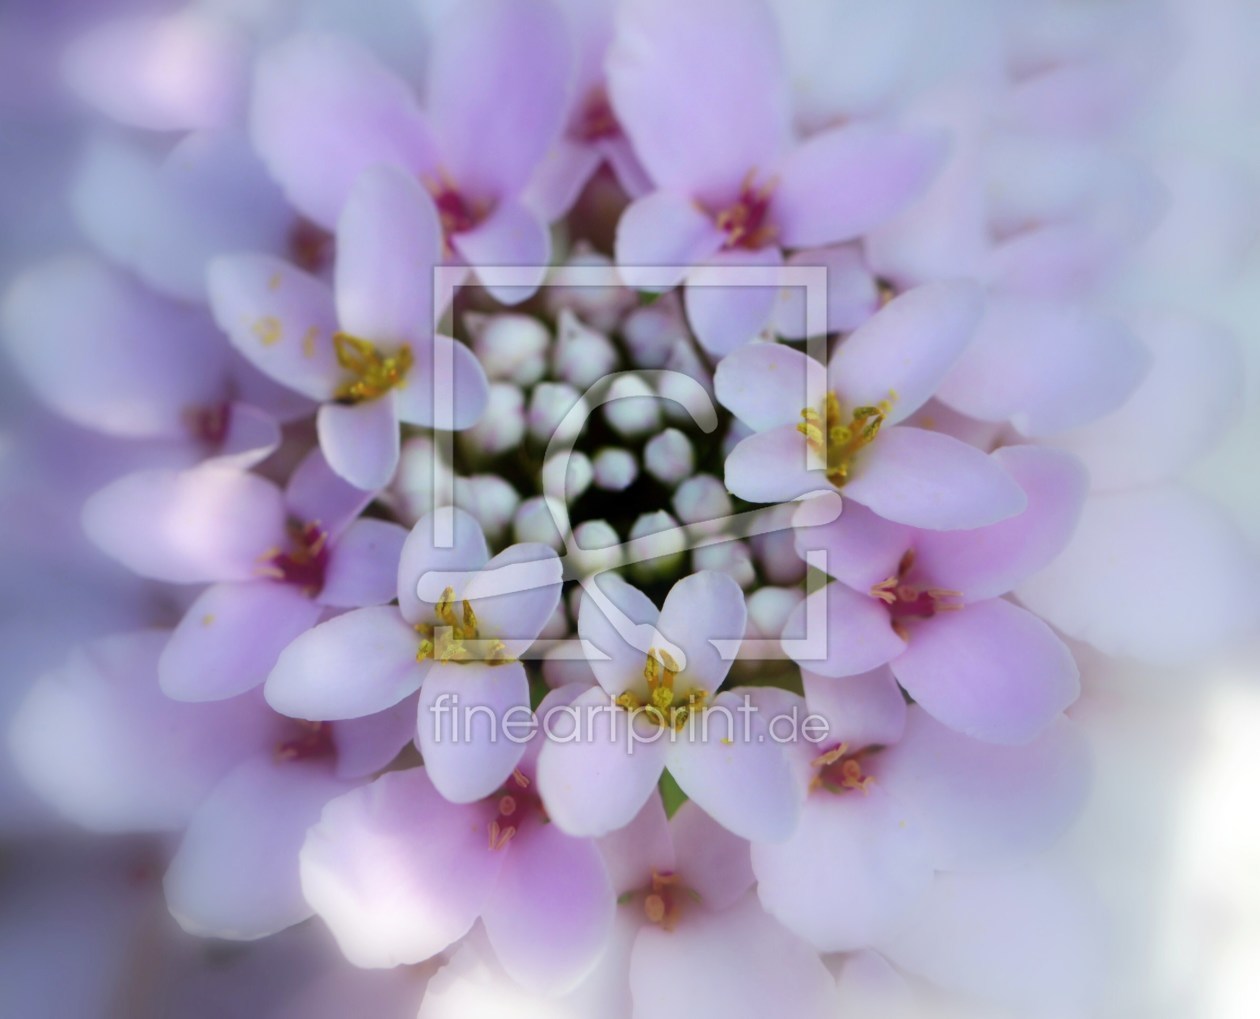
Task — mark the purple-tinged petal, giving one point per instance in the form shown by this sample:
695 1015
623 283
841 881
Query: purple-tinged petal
740 964
979 804
701 91
511 236
632 852
849 875
230 638
397 872
933 481
851 293
989 561
421 555
853 635
664 233
991 670
560 178
443 364
615 658
363 565
1044 365
185 527
861 711
905 350
235 873
1159 574
280 318
598 766
470 726
516 618
252 436
725 760
361 440
498 91
318 495
99 740
108 354
767 385
841 182
775 466
712 862
702 608
324 111
862 548
551 913
352 665
724 313
388 242
366 745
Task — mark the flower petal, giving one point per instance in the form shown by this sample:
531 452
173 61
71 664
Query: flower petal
511 236
862 548
421 556
861 711
700 609
361 440
516 618
467 715
616 658
767 385
931 480
992 671
664 232
352 665
852 634
712 862
775 466
442 363
363 565
397 872
316 494
851 293
724 312
230 638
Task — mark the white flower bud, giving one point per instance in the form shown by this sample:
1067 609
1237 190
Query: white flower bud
557 626
669 457
534 522
615 469
510 347
600 301
775 551
729 557
502 427
651 331
598 547
686 368
490 499
421 484
578 480
769 609
656 536
582 356
702 500
548 405
633 408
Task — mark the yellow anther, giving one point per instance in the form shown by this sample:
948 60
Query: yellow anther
844 437
372 373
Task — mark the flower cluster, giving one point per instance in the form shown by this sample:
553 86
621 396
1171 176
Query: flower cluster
617 486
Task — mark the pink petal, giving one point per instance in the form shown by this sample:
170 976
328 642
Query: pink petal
396 872
516 618
511 236
740 964
317 495
98 350
205 524
933 481
849 875
259 813
366 745
421 556
862 548
230 638
724 313
700 609
861 711
843 181
252 436
665 233
560 178
988 561
632 852
388 242
443 365
905 350
1159 574
360 440
992 671
498 90
854 634
767 385
363 565
981 805
712 862
550 916
701 92
593 775
775 466
352 665
467 715
1045 365
615 658
851 294
279 318
324 111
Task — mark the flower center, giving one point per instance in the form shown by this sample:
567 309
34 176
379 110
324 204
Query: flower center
595 119
310 246
517 804
744 222
663 899
209 424
449 640
907 600
456 212
371 373
304 563
838 439
313 740
665 706
839 771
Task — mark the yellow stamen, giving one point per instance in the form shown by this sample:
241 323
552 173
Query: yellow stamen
448 641
837 440
372 374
